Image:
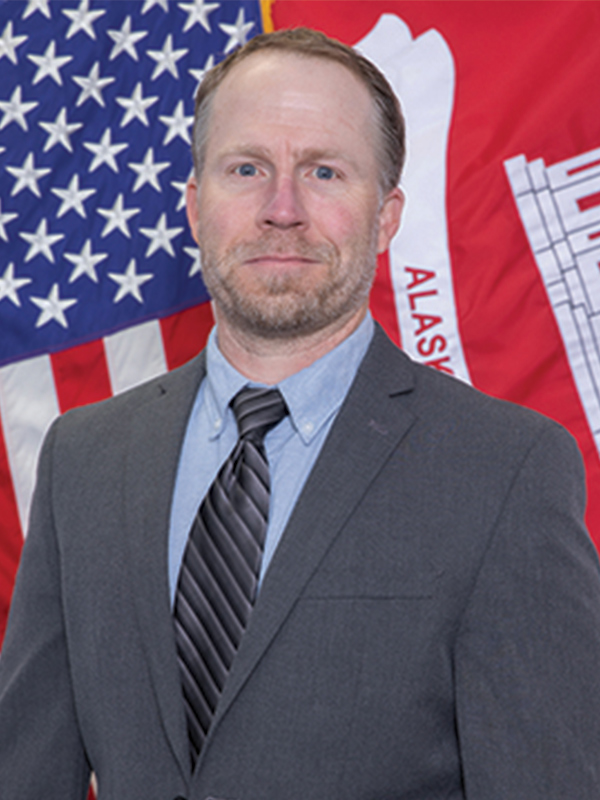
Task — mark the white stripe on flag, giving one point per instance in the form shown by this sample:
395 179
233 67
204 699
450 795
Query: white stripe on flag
28 405
135 355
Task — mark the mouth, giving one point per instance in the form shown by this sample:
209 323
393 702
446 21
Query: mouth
278 258
280 264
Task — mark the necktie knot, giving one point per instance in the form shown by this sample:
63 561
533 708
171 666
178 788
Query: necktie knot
257 410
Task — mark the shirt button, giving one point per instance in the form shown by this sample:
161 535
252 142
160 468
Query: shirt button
217 424
308 428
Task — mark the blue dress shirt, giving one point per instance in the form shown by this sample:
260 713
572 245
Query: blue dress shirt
313 396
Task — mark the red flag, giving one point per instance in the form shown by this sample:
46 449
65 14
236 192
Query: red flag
495 273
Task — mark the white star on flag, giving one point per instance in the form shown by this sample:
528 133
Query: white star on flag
125 40
92 85
148 171
136 106
9 43
27 176
82 19
49 65
72 197
85 262
117 217
129 282
37 5
59 131
160 236
198 12
104 152
198 74
149 4
166 59
5 217
40 242
52 307
181 187
177 124
15 110
9 285
238 32
194 254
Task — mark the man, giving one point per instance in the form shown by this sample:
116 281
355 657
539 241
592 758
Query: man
427 617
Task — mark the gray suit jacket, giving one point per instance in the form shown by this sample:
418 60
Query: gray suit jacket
429 626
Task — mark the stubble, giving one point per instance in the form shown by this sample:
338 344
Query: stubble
287 305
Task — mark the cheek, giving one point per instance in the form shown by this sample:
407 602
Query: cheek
222 223
343 223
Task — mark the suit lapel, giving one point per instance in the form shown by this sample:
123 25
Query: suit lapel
374 421
155 442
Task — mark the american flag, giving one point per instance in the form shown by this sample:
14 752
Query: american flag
100 284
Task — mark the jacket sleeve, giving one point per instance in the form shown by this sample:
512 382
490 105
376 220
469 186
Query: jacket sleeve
41 752
527 660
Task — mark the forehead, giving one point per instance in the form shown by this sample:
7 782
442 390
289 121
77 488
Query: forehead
312 100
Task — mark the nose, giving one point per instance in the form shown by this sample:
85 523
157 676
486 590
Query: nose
283 207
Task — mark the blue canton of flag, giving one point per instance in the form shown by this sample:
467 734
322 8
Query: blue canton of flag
96 108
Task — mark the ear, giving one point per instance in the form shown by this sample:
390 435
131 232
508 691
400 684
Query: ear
389 218
191 206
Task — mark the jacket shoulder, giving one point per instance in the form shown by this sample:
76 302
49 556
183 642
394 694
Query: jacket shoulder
181 380
449 407
108 418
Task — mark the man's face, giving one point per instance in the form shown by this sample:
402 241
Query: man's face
288 214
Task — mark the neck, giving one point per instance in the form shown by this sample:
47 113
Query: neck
270 361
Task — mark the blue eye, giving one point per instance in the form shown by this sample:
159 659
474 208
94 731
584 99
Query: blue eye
324 173
246 170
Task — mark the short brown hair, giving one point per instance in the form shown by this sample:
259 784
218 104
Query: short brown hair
313 44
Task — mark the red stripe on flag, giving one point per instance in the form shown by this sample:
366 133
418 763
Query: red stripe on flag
185 334
589 202
81 375
382 303
583 167
10 535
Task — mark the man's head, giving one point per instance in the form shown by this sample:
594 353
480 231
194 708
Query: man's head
313 44
291 201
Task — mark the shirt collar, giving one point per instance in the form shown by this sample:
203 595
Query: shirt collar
312 395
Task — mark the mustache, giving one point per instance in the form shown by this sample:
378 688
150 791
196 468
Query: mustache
283 243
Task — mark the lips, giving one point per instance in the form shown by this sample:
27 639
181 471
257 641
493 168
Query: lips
281 259
279 250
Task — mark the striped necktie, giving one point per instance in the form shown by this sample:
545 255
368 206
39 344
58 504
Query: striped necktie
221 563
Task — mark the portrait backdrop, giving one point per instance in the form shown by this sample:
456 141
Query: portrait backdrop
494 276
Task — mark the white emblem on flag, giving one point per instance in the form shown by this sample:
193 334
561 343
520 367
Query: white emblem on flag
559 207
421 72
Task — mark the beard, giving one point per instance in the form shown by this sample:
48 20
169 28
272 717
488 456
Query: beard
295 303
